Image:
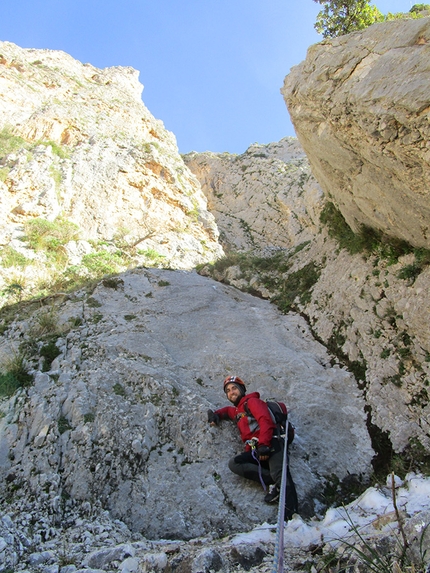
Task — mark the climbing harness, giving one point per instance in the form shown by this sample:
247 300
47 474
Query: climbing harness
278 555
253 445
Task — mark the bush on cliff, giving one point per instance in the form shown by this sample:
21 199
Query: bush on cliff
340 17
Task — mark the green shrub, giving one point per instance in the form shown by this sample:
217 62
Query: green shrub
358 368
396 380
194 212
404 352
47 323
56 176
113 282
339 230
93 302
14 374
339 492
297 284
10 257
414 458
103 263
279 262
392 249
422 256
411 271
49 352
13 290
10 142
4 172
119 238
94 267
96 318
8 384
119 389
63 425
402 16
42 234
152 255
372 242
416 8
72 277
340 17
271 270
58 150
223 263
51 236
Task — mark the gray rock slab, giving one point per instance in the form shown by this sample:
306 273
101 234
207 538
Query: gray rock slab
127 428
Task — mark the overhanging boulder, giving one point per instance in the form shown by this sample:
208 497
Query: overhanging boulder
360 104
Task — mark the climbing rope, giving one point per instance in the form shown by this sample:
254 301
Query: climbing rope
278 555
253 445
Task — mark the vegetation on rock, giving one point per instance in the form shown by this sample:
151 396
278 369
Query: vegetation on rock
372 242
14 374
340 17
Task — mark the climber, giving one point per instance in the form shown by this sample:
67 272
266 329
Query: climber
262 461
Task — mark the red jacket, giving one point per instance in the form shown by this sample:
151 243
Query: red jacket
259 425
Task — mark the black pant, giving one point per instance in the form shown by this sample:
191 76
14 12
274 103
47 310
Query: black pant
245 465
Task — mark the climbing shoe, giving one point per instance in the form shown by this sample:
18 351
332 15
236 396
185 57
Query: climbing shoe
272 495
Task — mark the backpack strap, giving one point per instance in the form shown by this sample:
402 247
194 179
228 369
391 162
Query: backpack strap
281 430
277 431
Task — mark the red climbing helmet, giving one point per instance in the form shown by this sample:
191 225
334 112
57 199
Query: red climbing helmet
234 380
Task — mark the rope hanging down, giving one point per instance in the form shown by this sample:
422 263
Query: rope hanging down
253 444
278 555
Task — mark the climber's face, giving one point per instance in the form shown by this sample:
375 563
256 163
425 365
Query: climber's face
233 393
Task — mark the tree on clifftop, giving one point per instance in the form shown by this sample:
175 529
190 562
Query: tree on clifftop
340 17
416 8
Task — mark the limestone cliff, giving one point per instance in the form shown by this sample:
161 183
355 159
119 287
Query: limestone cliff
118 419
360 106
107 446
371 309
77 144
264 198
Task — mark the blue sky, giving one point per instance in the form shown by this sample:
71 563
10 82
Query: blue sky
211 70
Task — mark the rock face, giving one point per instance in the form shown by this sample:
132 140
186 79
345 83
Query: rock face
265 197
360 107
110 446
78 143
370 318
119 418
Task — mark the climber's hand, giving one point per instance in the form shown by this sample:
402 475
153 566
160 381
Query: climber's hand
213 419
263 452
